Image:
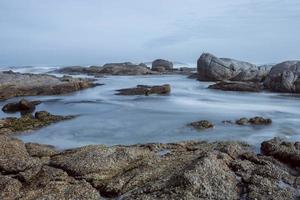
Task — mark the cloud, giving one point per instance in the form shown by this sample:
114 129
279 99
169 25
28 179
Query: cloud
98 31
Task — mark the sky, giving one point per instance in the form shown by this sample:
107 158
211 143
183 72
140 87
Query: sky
82 32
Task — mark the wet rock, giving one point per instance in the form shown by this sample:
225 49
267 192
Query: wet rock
203 124
13 84
211 68
286 152
161 65
22 105
284 77
146 90
12 125
238 86
254 121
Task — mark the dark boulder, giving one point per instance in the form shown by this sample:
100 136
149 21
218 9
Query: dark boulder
161 65
22 105
284 77
145 90
211 68
238 86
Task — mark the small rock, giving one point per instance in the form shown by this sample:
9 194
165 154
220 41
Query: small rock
161 65
203 124
254 121
238 86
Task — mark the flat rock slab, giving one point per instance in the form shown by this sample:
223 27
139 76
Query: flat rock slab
13 84
238 86
185 170
29 122
146 90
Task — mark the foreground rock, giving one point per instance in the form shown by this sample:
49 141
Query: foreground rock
284 77
14 84
161 65
126 68
22 105
203 124
238 86
211 68
186 170
12 125
146 90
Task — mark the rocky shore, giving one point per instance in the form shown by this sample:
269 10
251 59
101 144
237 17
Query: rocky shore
13 84
237 75
186 170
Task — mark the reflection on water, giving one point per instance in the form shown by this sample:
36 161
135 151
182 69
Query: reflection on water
109 119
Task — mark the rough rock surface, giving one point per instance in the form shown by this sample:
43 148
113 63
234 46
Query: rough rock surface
28 122
126 68
186 170
161 65
238 86
211 68
22 105
14 84
254 121
146 90
203 124
284 77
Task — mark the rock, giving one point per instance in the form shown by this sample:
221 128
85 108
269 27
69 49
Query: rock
12 125
284 77
40 150
126 68
238 86
13 84
211 68
145 90
22 105
14 156
161 65
254 121
203 124
189 170
286 152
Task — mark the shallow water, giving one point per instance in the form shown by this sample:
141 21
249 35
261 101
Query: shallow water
105 118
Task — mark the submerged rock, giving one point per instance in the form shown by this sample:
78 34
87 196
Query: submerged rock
284 77
238 86
211 68
190 170
146 90
22 105
161 65
13 84
254 121
12 125
203 124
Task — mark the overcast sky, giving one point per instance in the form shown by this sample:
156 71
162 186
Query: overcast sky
72 32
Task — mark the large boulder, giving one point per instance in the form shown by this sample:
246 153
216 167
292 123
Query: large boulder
161 65
284 77
211 68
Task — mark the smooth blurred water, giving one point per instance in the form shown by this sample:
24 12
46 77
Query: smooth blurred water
105 118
